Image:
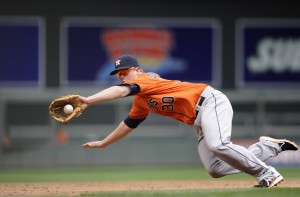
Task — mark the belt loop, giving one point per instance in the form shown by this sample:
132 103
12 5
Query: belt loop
201 100
199 104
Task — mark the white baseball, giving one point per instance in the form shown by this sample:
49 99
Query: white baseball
68 109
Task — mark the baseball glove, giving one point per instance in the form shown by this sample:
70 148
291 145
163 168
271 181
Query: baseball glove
56 108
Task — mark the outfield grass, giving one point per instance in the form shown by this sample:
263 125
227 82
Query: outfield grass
117 174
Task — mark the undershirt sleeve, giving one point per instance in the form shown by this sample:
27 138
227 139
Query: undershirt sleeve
133 123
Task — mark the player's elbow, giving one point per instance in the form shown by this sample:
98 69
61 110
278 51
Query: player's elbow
123 91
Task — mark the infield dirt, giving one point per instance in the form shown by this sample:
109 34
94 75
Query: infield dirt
77 188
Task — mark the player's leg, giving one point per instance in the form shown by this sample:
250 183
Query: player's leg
268 147
264 149
216 121
215 166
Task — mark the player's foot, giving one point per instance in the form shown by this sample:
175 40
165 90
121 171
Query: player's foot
284 144
271 178
270 182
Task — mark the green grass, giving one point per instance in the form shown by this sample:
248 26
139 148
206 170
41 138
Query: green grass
117 174
136 174
274 192
101 174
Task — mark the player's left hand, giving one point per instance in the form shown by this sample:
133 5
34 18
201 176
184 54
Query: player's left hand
84 102
56 108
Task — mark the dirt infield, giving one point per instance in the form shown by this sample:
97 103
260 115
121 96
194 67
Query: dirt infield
76 188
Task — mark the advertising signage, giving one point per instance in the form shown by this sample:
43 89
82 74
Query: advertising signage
268 53
22 48
184 49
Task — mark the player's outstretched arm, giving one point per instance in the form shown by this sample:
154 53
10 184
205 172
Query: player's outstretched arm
120 132
108 94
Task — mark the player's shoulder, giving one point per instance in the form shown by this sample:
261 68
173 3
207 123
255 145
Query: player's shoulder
153 75
150 75
146 77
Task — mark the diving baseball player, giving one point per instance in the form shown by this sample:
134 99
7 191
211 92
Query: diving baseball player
194 104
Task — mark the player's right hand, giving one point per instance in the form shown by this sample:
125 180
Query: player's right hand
94 144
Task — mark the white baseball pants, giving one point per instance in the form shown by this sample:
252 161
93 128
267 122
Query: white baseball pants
218 154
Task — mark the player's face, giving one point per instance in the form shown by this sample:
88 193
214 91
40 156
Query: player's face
123 72
126 74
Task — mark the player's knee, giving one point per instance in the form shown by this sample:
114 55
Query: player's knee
216 170
214 173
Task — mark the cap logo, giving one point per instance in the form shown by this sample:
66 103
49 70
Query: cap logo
118 62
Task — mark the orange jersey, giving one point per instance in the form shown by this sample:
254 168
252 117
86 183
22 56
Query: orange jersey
171 98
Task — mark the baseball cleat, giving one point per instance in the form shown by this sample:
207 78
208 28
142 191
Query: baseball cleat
269 183
284 144
271 178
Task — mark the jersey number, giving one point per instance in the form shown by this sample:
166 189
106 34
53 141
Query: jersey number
168 103
152 104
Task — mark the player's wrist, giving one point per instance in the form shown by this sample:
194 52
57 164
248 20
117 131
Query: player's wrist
104 143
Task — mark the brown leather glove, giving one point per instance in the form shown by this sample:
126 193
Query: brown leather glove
56 108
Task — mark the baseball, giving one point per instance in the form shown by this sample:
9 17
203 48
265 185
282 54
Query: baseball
68 109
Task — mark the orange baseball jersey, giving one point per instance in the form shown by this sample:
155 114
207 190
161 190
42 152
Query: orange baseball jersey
170 98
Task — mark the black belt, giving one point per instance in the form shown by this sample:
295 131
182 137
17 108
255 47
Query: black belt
202 98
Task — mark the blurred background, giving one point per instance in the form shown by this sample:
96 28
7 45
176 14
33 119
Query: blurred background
248 49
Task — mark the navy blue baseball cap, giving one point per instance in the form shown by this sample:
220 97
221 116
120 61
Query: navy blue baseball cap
124 62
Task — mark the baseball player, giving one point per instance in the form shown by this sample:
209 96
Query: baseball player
198 104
